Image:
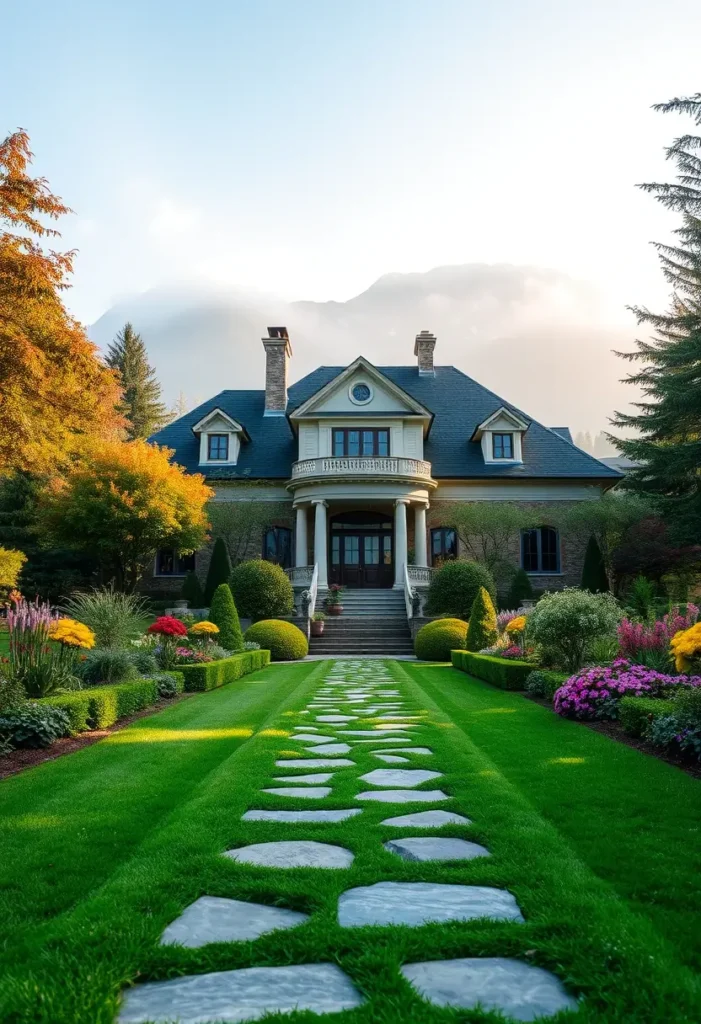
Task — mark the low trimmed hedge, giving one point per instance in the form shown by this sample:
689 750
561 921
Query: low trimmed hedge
545 683
212 674
636 714
505 673
99 707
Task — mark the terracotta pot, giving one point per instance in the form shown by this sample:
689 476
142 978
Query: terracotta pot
317 628
334 609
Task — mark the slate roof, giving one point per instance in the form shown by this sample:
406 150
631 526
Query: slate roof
457 402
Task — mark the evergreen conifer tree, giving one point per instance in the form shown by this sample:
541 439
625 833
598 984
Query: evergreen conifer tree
594 576
482 631
223 613
141 402
520 590
219 570
192 590
667 421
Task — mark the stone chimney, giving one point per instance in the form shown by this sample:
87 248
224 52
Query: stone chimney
423 348
277 351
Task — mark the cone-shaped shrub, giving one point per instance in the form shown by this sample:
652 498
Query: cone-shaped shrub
222 613
519 591
192 590
482 631
594 578
219 569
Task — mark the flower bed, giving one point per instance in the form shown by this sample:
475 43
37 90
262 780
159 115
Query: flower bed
216 673
506 673
594 694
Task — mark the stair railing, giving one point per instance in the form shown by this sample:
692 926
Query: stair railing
410 595
313 589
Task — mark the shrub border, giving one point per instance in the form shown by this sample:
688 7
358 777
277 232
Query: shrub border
211 674
505 673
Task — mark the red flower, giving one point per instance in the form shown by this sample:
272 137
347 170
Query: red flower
166 625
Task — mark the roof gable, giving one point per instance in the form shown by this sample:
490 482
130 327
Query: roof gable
336 396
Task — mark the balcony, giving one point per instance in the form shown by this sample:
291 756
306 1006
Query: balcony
392 468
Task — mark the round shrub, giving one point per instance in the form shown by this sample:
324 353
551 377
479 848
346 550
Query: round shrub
456 585
283 639
262 590
224 615
109 665
436 640
144 661
564 624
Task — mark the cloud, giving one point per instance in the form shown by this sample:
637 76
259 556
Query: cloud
171 218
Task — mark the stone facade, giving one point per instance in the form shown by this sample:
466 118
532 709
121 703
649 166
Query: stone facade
423 350
277 352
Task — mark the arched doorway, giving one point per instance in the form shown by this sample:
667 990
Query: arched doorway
361 549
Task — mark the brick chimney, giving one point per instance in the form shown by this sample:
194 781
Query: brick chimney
423 348
277 351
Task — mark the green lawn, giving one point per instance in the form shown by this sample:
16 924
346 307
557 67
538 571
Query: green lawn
103 848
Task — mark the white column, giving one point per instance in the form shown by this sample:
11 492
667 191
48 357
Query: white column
320 545
301 544
400 540
420 535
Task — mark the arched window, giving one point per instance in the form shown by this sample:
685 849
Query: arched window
277 546
444 544
540 550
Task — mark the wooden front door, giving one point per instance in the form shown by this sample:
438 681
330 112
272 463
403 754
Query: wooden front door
361 554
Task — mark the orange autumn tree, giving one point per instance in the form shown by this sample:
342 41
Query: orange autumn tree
122 503
54 391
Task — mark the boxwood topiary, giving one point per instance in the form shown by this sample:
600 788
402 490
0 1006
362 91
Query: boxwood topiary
454 588
482 631
223 613
262 590
283 639
437 639
219 570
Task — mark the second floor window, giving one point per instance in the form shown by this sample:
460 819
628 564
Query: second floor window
353 443
277 546
444 545
540 550
503 446
218 447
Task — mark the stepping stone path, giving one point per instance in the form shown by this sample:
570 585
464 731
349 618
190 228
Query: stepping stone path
519 990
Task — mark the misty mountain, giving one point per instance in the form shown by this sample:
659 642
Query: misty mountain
539 338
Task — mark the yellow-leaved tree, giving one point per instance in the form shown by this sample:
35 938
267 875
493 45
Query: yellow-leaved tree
11 562
54 390
123 502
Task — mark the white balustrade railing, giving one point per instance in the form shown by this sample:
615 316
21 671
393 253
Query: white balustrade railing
313 589
420 575
301 575
392 466
408 594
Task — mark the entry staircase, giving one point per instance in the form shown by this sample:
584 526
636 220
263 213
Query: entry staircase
372 622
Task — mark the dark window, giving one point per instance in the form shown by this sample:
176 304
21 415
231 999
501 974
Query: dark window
503 446
277 546
170 563
352 443
218 449
361 393
540 550
444 544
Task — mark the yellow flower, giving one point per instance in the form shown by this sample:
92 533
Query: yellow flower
205 628
517 625
686 646
71 633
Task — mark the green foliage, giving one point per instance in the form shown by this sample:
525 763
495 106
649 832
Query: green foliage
76 705
563 624
216 673
520 590
284 640
594 578
170 684
607 519
262 590
12 693
241 523
115 618
107 665
110 703
454 588
223 613
482 631
506 673
541 683
33 725
141 393
219 571
144 661
488 530
636 714
641 598
437 639
192 590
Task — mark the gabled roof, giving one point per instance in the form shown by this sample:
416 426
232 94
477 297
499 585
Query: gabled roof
197 428
502 413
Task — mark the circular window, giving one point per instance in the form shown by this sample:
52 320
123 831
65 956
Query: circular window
361 393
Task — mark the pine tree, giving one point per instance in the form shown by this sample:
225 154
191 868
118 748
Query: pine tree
223 614
192 590
520 590
667 422
482 631
219 570
141 403
594 576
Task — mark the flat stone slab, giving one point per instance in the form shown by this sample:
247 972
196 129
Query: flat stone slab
317 778
426 819
435 848
424 751
374 733
417 903
400 777
294 853
391 758
293 816
215 919
519 991
389 739
315 707
404 796
316 762
336 718
305 793
310 737
232 997
330 749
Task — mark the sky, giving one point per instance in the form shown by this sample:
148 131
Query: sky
305 148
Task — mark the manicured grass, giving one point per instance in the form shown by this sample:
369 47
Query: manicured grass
121 837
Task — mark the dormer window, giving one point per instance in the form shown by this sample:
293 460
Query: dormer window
502 446
217 447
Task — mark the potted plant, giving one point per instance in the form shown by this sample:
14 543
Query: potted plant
333 599
317 623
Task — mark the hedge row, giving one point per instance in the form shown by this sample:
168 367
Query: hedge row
216 673
505 673
636 713
99 707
